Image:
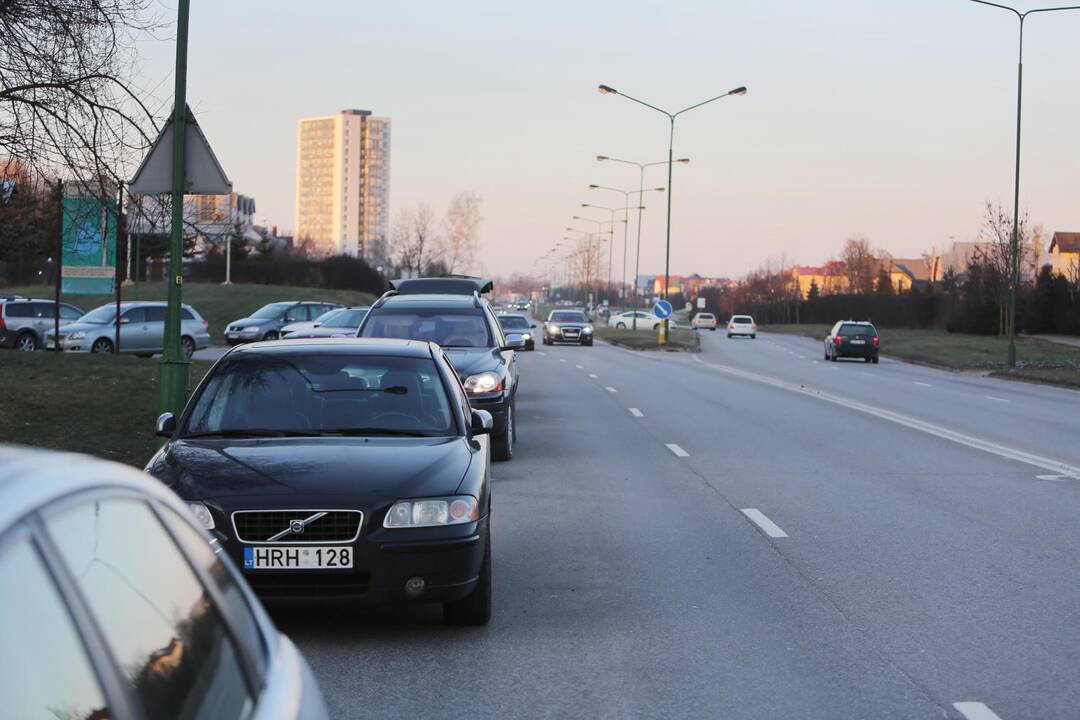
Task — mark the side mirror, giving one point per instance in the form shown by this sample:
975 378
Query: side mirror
533 326
166 425
481 422
315 325
514 341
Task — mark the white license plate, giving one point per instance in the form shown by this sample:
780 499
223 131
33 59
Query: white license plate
858 342
297 557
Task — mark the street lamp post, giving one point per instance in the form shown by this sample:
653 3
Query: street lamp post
626 220
637 255
611 240
1014 270
608 90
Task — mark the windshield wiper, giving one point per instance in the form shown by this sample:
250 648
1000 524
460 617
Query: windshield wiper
238 432
380 431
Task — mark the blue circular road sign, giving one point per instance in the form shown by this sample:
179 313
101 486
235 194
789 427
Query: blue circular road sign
662 309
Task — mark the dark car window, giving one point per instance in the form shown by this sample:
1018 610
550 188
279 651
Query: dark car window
69 312
157 618
513 322
742 319
273 311
569 316
860 330
19 309
185 314
448 327
42 309
300 313
46 671
155 313
324 394
134 315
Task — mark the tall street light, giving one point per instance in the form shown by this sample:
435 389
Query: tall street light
637 256
608 90
611 239
626 219
1014 270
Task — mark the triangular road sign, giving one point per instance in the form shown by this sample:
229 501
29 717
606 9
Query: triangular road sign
202 171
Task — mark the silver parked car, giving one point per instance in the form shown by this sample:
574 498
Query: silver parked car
117 604
142 330
338 323
266 322
24 321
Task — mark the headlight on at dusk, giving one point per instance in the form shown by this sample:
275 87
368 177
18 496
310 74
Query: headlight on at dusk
484 382
553 329
432 512
77 335
587 330
202 514
527 336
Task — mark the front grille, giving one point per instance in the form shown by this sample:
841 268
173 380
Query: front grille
257 526
571 333
308 584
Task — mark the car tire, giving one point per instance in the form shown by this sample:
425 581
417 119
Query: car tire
26 342
502 443
713 329
587 343
621 326
868 359
729 336
874 360
102 346
834 356
753 336
271 335
474 608
187 347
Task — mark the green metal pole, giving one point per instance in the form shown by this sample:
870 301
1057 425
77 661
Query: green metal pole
173 369
667 243
637 254
1015 269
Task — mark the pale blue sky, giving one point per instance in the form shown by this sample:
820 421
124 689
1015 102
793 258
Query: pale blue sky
891 119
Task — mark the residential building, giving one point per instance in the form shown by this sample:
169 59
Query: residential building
343 184
829 278
920 273
1065 255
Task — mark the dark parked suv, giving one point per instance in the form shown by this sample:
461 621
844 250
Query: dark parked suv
451 313
24 321
852 339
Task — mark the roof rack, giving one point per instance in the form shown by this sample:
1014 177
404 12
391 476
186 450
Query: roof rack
383 298
452 285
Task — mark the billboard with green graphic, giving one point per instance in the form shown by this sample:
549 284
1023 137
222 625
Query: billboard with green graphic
89 260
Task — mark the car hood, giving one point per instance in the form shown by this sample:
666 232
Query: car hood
470 361
251 321
76 326
560 323
345 468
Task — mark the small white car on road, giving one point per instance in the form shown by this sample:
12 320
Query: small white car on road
626 320
704 321
742 325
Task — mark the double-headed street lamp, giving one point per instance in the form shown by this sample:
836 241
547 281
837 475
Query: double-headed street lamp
608 90
626 217
1014 270
611 237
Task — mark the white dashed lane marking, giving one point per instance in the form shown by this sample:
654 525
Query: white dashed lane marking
579 367
679 452
922 384
767 526
636 413
610 389
996 399
975 711
562 359
593 375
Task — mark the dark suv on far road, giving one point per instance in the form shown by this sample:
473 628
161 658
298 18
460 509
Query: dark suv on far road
451 313
849 338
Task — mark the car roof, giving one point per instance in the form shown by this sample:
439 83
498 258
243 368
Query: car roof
512 315
431 300
857 322
336 346
31 478
457 284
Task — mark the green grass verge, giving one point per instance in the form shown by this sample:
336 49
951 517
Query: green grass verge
1036 359
219 304
100 405
681 340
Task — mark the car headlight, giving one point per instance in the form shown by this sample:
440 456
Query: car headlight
253 328
77 335
432 512
527 336
202 514
484 382
586 330
553 329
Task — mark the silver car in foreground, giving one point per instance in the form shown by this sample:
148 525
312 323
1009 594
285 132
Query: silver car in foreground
142 330
116 604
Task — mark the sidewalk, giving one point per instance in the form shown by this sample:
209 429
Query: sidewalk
1071 340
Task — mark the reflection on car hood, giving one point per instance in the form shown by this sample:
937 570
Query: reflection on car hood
324 331
469 361
295 327
329 466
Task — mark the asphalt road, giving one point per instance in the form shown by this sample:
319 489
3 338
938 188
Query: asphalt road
748 533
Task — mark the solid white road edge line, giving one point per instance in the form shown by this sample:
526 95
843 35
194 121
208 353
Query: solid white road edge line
975 711
922 384
610 389
913 423
767 526
679 452
636 413
996 399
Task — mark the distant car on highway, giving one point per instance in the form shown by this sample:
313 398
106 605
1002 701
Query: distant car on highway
142 330
452 313
340 469
513 323
568 326
266 322
117 604
24 321
704 321
626 320
849 338
742 325
336 323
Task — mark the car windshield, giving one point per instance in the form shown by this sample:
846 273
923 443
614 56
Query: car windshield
100 316
345 319
271 311
327 394
326 316
862 330
514 322
568 316
443 326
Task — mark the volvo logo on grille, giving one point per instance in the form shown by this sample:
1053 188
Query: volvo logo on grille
297 526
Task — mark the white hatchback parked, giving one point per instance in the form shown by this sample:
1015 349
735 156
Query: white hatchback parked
742 325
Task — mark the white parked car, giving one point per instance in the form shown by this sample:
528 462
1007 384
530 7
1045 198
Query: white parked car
644 320
704 321
742 325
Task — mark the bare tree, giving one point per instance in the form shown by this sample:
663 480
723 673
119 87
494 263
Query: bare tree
413 242
66 98
996 232
858 264
461 234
